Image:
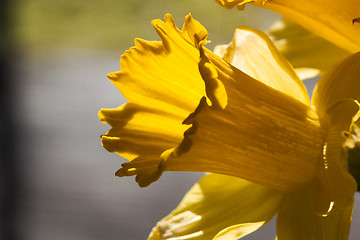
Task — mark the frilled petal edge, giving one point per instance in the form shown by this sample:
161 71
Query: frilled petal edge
240 120
163 85
255 123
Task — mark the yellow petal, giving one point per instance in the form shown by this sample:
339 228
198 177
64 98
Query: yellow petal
336 226
262 135
137 130
304 49
297 220
219 207
152 73
232 3
253 53
338 84
162 83
335 21
307 73
336 100
336 185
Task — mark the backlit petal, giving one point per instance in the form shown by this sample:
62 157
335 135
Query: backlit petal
163 85
262 135
253 52
221 206
152 73
137 130
297 220
332 20
304 49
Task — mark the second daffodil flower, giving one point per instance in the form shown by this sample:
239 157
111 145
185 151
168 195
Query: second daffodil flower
336 21
246 118
330 31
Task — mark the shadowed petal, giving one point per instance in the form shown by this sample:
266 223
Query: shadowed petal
336 100
297 220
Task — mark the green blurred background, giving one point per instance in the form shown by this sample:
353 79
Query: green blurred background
62 183
42 25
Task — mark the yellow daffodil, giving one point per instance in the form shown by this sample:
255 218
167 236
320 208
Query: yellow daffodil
311 51
336 21
246 118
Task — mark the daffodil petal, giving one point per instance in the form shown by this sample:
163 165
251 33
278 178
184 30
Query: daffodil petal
257 121
335 184
335 21
297 220
162 83
139 131
340 83
336 100
140 135
219 207
304 49
152 73
254 53
307 73
336 226
238 231
240 4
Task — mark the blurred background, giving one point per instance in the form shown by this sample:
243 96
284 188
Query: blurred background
57 182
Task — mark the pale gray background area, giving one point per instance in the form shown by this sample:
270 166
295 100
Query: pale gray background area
68 187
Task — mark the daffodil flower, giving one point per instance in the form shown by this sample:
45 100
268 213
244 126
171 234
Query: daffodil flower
310 48
336 21
245 118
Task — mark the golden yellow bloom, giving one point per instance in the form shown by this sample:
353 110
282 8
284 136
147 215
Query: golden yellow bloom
336 21
245 115
311 51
